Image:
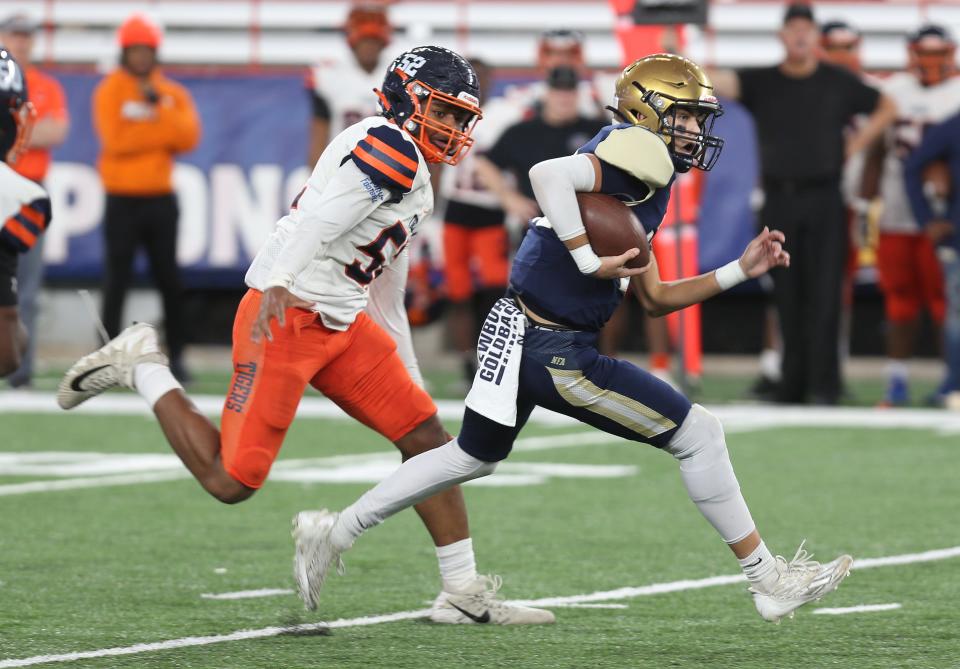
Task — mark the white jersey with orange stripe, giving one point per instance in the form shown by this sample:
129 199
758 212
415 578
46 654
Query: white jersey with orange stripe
24 210
364 200
918 107
347 90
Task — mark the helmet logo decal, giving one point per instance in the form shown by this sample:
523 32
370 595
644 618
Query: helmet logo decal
411 64
466 97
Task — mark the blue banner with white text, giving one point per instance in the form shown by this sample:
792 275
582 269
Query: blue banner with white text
250 164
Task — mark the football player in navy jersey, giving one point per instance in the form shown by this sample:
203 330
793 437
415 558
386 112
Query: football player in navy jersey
538 344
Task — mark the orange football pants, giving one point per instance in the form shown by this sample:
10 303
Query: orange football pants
357 368
910 277
468 250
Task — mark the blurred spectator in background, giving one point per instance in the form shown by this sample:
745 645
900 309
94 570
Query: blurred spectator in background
801 108
564 48
340 91
142 120
475 240
558 130
941 224
50 128
910 276
840 46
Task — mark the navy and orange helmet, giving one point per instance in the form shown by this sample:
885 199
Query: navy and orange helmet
421 78
16 112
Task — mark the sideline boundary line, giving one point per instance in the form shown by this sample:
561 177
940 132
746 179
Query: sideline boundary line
620 593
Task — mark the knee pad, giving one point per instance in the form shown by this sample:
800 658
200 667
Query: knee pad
700 437
701 449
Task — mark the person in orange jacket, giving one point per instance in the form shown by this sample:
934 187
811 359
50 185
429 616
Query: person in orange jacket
142 120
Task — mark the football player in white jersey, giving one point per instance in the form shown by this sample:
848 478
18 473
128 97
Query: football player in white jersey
24 208
910 276
340 90
303 321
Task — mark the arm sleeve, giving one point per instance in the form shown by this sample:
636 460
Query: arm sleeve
386 307
388 159
935 145
320 217
556 183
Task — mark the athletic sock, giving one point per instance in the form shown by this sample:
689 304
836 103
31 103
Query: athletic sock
770 364
897 369
760 568
153 380
458 566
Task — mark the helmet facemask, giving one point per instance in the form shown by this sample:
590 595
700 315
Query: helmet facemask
437 141
932 65
664 108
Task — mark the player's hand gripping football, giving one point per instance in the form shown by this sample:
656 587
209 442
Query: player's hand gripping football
274 304
612 267
764 253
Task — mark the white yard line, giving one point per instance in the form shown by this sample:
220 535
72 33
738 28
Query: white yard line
863 608
283 467
90 482
735 417
248 594
608 595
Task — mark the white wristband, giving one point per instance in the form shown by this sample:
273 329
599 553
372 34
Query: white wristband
730 274
587 261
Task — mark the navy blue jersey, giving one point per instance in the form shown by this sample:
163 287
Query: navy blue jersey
544 274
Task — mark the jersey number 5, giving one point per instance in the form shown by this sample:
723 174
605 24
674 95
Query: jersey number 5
364 275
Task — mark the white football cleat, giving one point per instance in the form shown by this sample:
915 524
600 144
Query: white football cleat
479 604
110 366
801 580
315 553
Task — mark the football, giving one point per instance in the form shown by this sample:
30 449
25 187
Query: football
612 228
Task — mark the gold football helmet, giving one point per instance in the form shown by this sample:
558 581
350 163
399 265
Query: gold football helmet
651 91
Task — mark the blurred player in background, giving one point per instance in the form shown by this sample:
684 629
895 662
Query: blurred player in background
560 47
340 91
24 208
475 239
942 225
557 130
343 240
542 337
911 279
49 130
143 120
